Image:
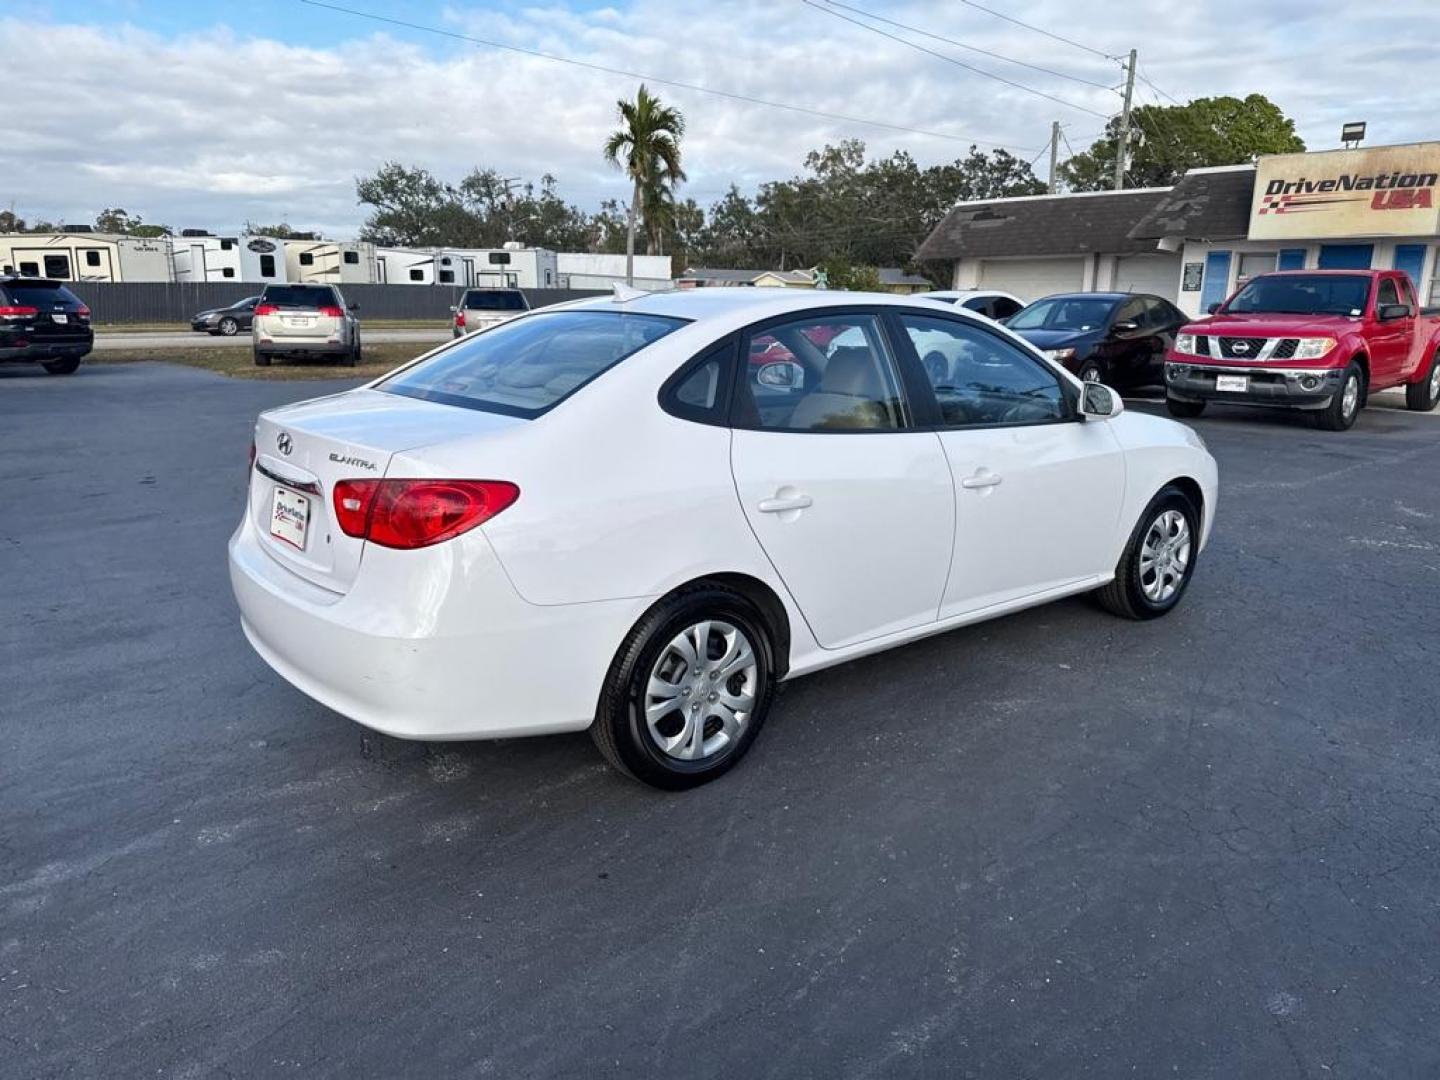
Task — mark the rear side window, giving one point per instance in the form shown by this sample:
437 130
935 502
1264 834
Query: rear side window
300 296
32 295
494 300
527 366
1004 307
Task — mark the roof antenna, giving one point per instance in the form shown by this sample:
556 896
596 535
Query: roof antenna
625 292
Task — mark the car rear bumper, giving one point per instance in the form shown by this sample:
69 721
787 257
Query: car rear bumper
432 644
1291 388
309 346
40 350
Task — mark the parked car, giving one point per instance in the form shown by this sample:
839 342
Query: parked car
480 309
991 303
226 321
1108 337
602 516
305 320
42 321
1318 340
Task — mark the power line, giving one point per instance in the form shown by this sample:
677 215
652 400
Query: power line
731 95
971 48
948 60
1164 93
1038 30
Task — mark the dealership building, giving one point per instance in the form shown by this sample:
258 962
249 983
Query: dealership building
1196 242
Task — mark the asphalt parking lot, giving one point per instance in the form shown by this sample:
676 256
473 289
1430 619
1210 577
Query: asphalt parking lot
1056 845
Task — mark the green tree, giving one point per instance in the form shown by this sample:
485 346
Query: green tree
840 273
647 148
116 220
1168 140
282 231
9 223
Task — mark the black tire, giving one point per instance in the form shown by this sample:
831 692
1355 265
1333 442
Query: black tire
1422 396
1184 410
1335 416
1125 595
1091 371
620 729
262 359
65 366
352 357
227 327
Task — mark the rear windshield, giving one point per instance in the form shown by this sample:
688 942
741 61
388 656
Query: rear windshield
526 366
300 296
493 300
1303 294
34 294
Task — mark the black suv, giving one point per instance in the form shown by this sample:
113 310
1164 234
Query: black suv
42 320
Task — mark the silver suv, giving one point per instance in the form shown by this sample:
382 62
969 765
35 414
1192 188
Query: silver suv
480 309
305 320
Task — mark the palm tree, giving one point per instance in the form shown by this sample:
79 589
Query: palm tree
647 147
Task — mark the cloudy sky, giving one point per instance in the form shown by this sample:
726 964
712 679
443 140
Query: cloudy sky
213 112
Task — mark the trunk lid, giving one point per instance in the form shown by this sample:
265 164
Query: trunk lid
303 450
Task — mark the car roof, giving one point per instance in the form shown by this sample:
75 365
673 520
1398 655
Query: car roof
26 279
1082 295
962 294
722 301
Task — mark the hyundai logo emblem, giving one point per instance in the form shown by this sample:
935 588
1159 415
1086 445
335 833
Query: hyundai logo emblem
284 442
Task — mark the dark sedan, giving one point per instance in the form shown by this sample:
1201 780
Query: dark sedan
226 321
1115 338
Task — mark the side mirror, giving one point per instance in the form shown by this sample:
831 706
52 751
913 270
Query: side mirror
781 375
1099 402
1214 307
1390 312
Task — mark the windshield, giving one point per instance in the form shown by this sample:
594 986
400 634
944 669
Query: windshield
300 296
1295 294
1077 313
527 365
485 300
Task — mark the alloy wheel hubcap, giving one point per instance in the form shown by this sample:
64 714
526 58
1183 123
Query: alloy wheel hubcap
1090 374
1352 396
701 691
1435 381
1165 556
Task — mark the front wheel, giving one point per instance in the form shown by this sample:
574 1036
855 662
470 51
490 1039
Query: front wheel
228 327
1184 410
67 366
1092 371
1423 395
1344 407
1158 562
688 690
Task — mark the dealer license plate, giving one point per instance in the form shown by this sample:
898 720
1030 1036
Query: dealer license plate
290 517
299 322
61 319
1232 383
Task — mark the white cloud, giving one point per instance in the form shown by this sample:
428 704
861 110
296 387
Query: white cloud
214 128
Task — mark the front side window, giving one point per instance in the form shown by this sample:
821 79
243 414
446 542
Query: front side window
57 266
1132 311
526 366
981 379
1387 294
1075 313
1004 307
824 372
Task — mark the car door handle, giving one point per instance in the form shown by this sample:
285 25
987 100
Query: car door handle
982 479
780 505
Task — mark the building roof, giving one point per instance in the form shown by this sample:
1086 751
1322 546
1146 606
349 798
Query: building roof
1075 223
893 275
1207 204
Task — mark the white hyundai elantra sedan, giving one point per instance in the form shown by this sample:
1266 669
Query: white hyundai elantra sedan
637 515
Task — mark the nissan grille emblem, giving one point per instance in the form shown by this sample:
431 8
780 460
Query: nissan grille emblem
284 442
1240 348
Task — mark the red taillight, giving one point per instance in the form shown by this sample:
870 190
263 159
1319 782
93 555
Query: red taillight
15 311
332 311
459 318
265 309
84 312
416 513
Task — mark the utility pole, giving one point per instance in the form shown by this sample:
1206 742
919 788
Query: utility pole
1054 152
1122 146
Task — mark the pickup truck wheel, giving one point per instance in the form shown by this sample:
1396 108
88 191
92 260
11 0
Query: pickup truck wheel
1158 562
1344 407
1185 410
67 366
1422 396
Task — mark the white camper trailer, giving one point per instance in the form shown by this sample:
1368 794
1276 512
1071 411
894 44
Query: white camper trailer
404 266
205 258
262 259
513 266
330 262
587 270
81 256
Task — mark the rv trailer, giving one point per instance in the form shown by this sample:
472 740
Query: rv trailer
85 256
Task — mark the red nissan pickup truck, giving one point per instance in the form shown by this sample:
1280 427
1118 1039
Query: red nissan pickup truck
1318 340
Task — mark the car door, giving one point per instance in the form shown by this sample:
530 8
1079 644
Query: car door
1038 490
1160 322
1389 339
1128 343
853 505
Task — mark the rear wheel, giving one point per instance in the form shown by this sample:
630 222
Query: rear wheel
1159 560
353 356
688 691
228 327
1344 407
1422 396
262 359
66 366
1092 371
1185 410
